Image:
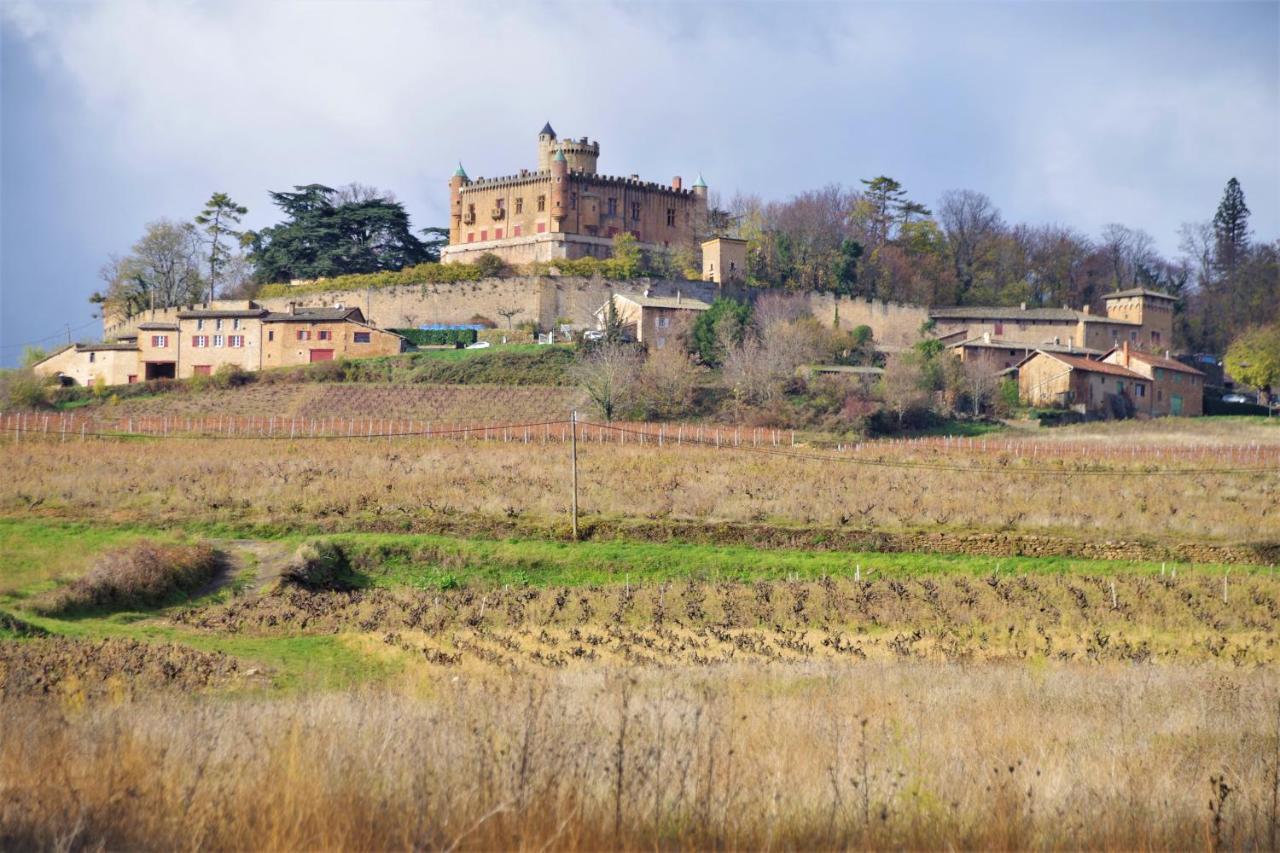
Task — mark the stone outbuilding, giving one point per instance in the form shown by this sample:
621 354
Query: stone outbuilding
652 320
1178 388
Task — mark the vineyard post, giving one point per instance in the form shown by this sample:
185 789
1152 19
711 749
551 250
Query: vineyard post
574 456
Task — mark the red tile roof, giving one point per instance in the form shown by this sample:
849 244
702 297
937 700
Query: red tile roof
1166 363
1090 366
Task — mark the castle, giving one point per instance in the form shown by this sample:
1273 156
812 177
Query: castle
564 209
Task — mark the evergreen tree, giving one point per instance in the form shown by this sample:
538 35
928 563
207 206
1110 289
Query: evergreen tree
321 238
1231 228
219 218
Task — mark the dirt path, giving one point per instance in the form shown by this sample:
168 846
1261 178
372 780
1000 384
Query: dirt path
265 559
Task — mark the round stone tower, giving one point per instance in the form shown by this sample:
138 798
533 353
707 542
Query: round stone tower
456 183
580 154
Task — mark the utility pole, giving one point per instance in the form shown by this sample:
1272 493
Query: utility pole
573 443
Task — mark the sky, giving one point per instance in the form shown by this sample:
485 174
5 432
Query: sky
116 114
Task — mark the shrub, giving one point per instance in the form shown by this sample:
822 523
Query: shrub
438 337
489 265
320 564
481 320
432 273
547 366
24 390
146 574
232 376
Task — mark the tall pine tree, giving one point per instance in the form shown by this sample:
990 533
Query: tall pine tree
219 218
1231 229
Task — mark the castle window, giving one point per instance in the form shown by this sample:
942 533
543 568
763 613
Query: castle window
635 210
497 233
520 205
542 227
484 235
671 217
573 201
471 236
613 207
515 230
1155 337
542 203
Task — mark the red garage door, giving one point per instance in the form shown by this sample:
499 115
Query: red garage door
322 355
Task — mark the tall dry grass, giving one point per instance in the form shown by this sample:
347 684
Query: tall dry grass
909 755
345 483
144 574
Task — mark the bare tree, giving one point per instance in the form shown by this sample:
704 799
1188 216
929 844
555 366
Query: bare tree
971 222
358 193
980 384
608 373
778 308
667 382
902 385
508 313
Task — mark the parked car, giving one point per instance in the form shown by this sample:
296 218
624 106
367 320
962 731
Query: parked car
479 345
1235 398
593 335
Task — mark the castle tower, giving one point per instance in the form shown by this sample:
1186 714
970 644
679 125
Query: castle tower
456 183
559 189
701 214
546 147
1151 309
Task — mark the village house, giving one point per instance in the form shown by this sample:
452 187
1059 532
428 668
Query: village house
1141 318
1055 379
241 334
1179 389
996 355
652 320
85 364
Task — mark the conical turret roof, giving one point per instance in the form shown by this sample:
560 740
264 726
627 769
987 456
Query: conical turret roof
700 183
460 172
560 158
547 131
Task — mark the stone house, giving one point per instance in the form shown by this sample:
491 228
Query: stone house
724 260
307 335
1141 318
996 355
652 320
1178 388
1083 385
564 209
83 364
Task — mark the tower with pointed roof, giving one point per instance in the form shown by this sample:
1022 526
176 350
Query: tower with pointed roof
565 209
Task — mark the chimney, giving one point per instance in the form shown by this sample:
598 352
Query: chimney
1125 350
293 308
677 297
1023 306
677 183
646 293
986 337
1088 309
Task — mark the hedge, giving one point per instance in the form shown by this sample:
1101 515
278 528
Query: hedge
438 337
420 274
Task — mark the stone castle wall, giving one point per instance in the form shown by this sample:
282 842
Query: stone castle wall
548 300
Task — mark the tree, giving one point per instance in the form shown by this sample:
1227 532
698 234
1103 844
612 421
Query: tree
162 270
903 385
608 374
667 383
971 223
845 269
626 260
434 239
723 324
1254 358
508 313
219 218
1231 228
613 326
32 355
322 236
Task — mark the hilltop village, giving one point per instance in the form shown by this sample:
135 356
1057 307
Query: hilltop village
519 243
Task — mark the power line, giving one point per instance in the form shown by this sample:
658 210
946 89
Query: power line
57 334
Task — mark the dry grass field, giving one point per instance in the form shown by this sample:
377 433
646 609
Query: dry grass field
414 483
431 691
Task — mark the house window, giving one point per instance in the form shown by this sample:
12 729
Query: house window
1155 337
361 337
217 340
664 322
1133 336
542 227
661 342
133 377
235 324
217 324
304 334
999 327
542 203
520 205
324 335
159 341
671 217
635 210
199 341
1142 390
236 341
93 356
199 325
613 207
271 335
